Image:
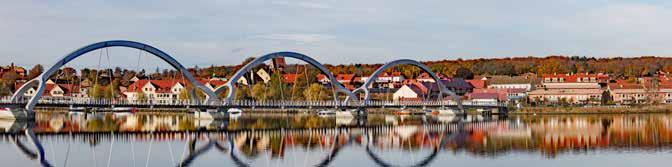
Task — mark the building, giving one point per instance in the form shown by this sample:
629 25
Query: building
155 91
568 96
408 92
630 93
478 83
665 92
457 85
322 79
345 79
485 98
525 82
425 77
57 90
289 78
576 78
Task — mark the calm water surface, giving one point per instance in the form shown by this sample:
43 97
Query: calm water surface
63 139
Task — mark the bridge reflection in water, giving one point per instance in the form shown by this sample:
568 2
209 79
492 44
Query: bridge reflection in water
305 140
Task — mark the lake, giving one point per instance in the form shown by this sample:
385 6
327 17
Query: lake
178 139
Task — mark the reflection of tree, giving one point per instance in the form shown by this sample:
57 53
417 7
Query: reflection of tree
260 124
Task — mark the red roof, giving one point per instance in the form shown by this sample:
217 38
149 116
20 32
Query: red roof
345 77
289 78
321 77
162 86
216 83
625 86
484 96
477 83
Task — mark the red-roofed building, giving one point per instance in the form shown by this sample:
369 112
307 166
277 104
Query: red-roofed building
574 78
478 83
57 90
322 78
345 78
485 97
410 92
155 91
289 78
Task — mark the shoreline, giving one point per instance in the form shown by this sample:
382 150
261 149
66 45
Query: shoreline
649 109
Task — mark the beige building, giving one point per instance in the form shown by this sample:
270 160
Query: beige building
624 93
571 96
155 91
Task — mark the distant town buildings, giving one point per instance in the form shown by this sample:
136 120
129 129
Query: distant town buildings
393 85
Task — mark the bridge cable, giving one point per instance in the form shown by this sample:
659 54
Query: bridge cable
95 82
110 72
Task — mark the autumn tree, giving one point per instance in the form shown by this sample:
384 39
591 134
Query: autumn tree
35 71
315 92
464 73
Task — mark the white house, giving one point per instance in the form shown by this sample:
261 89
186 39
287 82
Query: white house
155 91
409 91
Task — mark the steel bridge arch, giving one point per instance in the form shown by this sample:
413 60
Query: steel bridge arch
42 78
254 63
376 74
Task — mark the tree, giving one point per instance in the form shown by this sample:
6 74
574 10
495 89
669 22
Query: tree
315 92
97 91
464 73
242 93
4 89
142 97
259 92
184 95
277 89
8 79
35 71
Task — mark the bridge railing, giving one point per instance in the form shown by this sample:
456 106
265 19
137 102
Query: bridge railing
50 100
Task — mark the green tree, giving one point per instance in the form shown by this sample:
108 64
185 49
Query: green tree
277 88
259 92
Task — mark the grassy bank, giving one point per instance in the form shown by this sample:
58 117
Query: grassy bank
595 110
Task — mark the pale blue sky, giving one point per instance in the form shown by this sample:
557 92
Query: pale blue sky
336 31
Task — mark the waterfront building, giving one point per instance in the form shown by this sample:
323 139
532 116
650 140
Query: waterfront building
408 91
57 90
665 92
568 96
631 93
155 91
485 97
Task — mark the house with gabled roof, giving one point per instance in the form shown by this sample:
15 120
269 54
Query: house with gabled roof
155 91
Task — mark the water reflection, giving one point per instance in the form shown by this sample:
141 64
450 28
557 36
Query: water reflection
309 140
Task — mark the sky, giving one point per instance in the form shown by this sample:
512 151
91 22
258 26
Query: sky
225 32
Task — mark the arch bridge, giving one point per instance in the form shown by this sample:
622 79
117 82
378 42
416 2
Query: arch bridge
211 94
